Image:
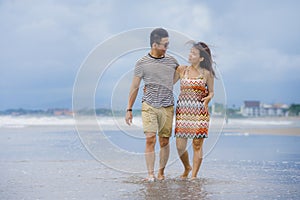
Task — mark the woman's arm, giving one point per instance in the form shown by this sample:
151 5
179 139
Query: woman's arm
178 73
210 87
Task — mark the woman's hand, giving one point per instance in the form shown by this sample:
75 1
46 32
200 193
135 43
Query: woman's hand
206 101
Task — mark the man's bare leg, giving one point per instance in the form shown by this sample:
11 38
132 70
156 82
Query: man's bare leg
150 154
164 156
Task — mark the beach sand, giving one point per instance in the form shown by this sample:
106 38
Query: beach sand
50 162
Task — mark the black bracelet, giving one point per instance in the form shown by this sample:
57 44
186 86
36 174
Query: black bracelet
129 110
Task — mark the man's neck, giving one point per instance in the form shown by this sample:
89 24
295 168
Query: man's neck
154 54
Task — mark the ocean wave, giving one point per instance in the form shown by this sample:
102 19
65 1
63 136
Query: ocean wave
236 134
260 122
25 121
22 121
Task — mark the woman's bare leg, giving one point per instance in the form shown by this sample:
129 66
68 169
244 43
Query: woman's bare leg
184 156
198 156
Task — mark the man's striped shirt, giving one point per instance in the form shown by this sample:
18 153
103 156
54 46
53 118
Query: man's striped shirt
158 75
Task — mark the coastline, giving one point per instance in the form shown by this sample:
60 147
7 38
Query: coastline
265 131
289 126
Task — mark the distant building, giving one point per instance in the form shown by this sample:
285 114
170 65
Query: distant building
275 109
60 112
218 109
256 109
251 109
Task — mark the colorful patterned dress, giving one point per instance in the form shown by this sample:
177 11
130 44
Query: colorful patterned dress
192 118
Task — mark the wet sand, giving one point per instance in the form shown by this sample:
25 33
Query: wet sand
52 163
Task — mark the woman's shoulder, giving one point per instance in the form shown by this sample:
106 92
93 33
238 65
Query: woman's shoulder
208 73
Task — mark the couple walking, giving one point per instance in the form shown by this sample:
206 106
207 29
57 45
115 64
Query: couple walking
160 72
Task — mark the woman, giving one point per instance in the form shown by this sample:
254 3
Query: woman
192 116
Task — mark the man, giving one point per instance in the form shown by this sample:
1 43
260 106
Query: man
157 70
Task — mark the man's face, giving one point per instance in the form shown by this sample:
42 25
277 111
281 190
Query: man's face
163 45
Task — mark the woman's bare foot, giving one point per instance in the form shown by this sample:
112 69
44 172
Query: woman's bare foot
160 177
186 172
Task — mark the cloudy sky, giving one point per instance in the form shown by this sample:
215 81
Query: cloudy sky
44 43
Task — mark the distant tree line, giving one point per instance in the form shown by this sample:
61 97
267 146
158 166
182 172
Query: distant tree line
294 110
106 112
21 111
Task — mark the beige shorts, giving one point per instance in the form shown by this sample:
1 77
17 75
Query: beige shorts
158 120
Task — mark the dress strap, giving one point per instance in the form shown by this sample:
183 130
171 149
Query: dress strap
186 72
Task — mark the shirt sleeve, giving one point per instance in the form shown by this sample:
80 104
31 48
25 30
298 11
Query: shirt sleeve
176 63
138 70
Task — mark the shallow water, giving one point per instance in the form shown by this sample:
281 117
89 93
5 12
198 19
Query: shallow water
226 180
51 163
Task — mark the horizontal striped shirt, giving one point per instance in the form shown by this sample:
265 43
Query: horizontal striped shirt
158 75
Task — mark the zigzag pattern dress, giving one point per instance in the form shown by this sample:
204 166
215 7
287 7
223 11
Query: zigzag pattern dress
192 118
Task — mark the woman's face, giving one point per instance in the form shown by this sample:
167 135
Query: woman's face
194 56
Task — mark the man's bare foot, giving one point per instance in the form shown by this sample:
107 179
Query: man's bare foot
186 173
150 178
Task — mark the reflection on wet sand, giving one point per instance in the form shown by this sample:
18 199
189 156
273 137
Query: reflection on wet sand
171 189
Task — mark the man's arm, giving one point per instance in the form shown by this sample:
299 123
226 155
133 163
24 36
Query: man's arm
134 89
176 77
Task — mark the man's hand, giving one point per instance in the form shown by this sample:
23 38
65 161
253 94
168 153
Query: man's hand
128 118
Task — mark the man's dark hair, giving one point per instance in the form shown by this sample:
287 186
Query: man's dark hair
157 34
